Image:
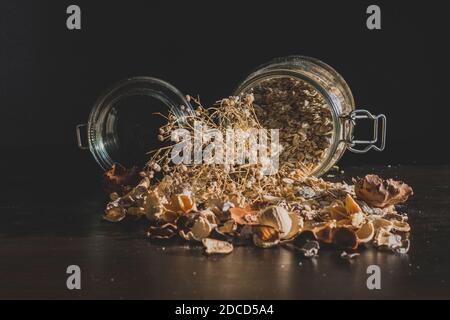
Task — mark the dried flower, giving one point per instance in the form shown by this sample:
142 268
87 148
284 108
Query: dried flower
238 203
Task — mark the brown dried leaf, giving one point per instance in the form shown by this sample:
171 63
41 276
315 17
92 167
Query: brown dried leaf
118 178
325 234
381 193
240 214
115 214
345 238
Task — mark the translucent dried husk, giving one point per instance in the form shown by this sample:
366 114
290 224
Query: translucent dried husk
115 214
338 212
388 239
180 204
357 219
366 233
213 246
265 236
279 219
297 225
196 228
351 206
400 226
381 223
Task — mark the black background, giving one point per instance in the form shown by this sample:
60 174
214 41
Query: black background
50 196
50 76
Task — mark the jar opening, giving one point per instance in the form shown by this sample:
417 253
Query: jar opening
124 123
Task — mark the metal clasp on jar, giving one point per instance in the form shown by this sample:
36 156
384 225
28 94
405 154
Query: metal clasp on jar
349 121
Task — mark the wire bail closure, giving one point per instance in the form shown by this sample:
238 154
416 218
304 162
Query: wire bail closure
350 121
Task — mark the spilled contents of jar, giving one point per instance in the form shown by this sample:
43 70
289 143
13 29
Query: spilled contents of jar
302 115
221 206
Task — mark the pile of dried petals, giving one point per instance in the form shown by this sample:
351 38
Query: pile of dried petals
222 205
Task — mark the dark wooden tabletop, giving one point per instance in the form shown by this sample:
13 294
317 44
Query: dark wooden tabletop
40 239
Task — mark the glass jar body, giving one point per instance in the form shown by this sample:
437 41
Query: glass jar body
332 86
124 121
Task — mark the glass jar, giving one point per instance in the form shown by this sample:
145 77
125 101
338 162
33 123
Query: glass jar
124 122
326 81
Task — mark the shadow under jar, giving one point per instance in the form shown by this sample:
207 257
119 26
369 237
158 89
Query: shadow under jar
314 110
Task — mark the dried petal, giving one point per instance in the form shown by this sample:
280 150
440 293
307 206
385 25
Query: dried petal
351 206
165 231
210 216
154 205
388 239
303 238
344 223
213 246
239 214
200 230
404 248
136 211
118 178
278 218
345 238
338 212
400 226
297 224
381 193
180 204
228 227
220 208
115 214
357 219
380 223
194 227
366 232
325 234
265 236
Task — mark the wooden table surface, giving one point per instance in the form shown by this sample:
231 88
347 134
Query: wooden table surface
39 239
